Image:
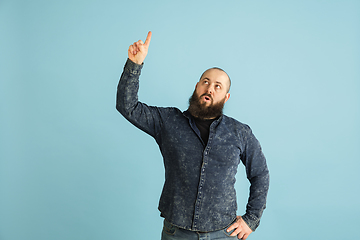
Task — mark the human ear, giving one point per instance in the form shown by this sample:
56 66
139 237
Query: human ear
227 96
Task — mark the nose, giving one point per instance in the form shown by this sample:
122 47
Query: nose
210 90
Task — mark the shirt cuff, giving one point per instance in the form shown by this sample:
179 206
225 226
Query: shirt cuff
132 67
252 222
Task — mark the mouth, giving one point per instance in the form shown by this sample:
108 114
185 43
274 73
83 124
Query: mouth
207 98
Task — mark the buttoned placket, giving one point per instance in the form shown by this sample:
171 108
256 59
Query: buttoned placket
202 174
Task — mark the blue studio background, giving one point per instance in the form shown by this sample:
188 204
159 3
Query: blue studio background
71 167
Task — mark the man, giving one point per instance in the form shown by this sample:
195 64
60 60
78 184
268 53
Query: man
201 149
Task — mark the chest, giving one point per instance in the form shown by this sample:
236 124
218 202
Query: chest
183 141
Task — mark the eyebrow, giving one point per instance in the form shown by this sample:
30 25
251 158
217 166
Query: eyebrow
206 78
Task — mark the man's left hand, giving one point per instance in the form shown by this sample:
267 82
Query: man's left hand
242 230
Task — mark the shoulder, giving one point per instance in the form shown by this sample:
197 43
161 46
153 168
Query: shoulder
167 112
235 124
170 110
239 129
243 132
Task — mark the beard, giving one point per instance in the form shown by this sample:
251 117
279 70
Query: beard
200 110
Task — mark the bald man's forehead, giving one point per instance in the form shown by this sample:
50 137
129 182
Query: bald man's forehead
218 74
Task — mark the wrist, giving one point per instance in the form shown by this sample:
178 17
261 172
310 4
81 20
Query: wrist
136 61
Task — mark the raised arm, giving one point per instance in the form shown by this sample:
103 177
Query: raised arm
146 118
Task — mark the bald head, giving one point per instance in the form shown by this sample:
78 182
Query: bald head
218 69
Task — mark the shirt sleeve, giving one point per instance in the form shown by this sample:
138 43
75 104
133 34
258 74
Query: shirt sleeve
146 118
258 175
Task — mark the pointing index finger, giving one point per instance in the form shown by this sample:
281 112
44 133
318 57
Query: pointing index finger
148 39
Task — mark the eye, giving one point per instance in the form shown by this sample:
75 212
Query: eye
217 86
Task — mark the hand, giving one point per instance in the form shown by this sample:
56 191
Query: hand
242 230
138 51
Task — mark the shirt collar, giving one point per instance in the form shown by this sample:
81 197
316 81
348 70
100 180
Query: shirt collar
188 115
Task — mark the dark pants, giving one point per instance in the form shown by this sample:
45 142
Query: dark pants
171 232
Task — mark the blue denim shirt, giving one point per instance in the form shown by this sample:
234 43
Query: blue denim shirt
199 192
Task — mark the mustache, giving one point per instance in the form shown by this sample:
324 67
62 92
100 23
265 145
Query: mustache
199 110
